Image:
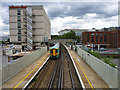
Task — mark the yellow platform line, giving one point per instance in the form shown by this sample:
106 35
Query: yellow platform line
84 74
28 74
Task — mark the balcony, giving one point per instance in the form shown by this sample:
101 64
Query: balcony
25 32
24 12
25 19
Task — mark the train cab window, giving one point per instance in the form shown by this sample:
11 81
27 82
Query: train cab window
56 50
51 51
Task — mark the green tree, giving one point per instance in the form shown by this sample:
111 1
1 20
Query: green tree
78 39
69 35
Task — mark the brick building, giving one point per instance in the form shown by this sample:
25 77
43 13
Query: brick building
102 39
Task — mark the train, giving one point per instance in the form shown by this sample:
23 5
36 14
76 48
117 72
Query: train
54 51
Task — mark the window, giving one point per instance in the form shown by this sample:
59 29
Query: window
88 37
18 12
19 37
19 31
51 51
96 37
100 37
105 37
92 37
19 24
19 18
56 50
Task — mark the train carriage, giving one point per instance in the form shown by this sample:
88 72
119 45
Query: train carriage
54 51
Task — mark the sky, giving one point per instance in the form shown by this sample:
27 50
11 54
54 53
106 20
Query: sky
69 15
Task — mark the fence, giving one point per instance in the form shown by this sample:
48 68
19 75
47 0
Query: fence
11 69
106 72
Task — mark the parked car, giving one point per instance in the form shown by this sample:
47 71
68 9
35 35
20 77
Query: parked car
103 49
110 50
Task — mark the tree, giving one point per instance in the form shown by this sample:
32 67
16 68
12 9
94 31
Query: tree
78 39
69 35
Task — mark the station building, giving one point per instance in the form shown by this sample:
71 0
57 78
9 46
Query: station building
108 38
29 25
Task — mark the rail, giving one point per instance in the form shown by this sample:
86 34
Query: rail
26 85
55 79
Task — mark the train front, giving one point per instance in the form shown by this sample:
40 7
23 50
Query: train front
54 51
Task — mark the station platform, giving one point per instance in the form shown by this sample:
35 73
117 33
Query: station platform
20 79
89 77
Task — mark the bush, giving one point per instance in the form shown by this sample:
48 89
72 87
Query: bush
89 51
96 54
112 64
107 60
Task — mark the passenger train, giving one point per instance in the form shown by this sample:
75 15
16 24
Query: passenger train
54 51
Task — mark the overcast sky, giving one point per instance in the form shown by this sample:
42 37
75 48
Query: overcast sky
70 15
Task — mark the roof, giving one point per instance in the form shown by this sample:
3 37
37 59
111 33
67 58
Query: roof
73 30
22 53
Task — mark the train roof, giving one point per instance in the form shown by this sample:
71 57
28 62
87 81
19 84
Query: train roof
57 45
53 47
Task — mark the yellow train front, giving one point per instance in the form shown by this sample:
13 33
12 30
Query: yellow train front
54 51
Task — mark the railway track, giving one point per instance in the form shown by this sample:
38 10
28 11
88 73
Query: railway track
57 74
71 79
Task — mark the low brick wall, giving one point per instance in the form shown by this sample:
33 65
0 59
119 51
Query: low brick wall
106 72
11 69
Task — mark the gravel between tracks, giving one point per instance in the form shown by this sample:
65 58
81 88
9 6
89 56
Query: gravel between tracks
59 73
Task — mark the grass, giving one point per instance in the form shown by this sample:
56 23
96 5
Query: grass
105 59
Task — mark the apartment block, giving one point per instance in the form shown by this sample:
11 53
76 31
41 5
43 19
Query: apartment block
29 25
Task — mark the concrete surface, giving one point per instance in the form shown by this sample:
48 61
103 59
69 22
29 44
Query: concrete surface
14 81
93 77
11 69
106 72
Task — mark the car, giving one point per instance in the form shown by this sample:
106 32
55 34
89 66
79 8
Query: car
103 49
110 50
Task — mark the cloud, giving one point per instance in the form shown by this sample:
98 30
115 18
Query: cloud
4 21
80 9
85 23
70 14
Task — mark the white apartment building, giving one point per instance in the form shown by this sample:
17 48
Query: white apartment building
29 25
78 32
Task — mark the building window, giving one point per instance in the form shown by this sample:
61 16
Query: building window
105 37
92 37
19 31
18 12
88 37
19 18
100 37
19 24
96 37
19 37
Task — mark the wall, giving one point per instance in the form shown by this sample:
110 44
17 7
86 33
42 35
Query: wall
11 69
106 72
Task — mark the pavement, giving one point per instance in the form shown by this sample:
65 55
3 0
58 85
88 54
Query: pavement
20 79
90 78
